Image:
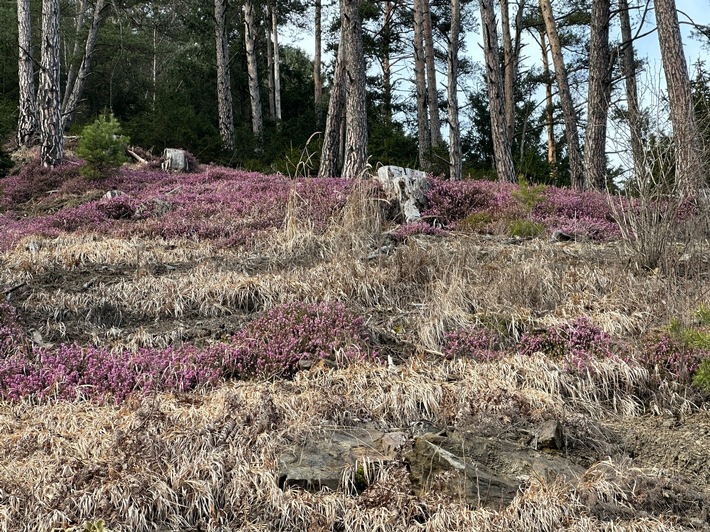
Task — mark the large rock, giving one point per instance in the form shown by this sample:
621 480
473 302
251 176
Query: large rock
322 462
479 471
407 187
175 160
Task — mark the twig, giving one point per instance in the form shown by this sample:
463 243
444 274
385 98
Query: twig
16 287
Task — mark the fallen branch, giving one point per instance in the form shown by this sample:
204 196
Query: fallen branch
12 289
136 156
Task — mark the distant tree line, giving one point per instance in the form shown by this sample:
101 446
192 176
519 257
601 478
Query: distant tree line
217 80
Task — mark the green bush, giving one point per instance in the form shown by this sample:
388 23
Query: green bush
525 228
102 146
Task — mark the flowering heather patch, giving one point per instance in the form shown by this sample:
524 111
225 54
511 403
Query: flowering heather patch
275 342
579 213
35 180
672 358
230 207
577 344
11 334
477 343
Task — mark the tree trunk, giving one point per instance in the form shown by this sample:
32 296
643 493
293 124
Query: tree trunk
224 83
356 111
386 65
27 121
423 132
257 121
72 99
628 66
277 61
453 104
330 153
48 97
509 70
270 65
576 167
688 146
549 117
598 96
74 57
317 80
499 128
432 94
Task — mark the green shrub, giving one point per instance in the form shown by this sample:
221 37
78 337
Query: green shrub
102 146
701 379
528 197
525 228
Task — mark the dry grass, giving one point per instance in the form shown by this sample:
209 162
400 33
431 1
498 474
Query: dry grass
209 459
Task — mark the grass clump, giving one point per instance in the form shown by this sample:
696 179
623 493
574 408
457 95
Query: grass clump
102 146
525 228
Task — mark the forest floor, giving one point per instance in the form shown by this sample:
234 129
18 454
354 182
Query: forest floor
449 351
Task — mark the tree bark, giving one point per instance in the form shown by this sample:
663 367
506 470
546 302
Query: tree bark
576 166
688 146
330 153
317 80
452 93
79 20
432 93
72 98
277 61
599 92
257 121
386 64
224 83
628 67
509 70
27 120
48 97
355 164
270 65
499 128
549 117
423 132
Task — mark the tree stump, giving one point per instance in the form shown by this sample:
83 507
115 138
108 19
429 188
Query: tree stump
406 186
175 160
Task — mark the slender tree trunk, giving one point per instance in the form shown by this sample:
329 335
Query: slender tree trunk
27 121
494 80
224 83
549 118
317 81
277 61
509 70
72 99
423 132
257 121
49 100
355 104
432 94
453 103
688 146
628 66
386 65
576 166
330 153
74 57
598 96
270 65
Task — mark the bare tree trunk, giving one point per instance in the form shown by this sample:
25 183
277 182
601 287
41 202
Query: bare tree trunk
257 121
576 166
628 66
423 132
330 153
549 118
432 93
270 65
356 110
74 57
453 104
224 83
689 160
494 80
72 99
317 80
598 96
48 97
27 121
509 71
386 65
277 61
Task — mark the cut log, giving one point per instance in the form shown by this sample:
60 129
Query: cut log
175 160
